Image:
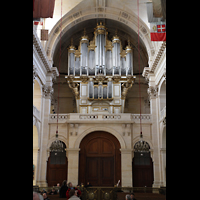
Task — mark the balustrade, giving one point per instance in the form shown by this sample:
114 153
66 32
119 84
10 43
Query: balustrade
63 118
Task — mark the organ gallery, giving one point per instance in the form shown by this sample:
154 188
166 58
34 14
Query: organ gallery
99 94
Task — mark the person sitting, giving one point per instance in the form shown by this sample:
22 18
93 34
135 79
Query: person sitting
132 196
88 184
37 196
128 197
73 195
63 189
45 196
70 187
53 191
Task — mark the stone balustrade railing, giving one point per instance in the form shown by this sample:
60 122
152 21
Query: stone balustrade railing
79 117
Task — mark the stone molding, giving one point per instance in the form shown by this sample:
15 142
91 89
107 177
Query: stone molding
152 92
47 91
155 61
43 57
123 16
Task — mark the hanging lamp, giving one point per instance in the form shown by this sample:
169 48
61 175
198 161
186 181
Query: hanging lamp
140 146
57 145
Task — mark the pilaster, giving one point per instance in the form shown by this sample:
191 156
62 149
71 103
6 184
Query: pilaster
153 96
126 167
47 91
73 164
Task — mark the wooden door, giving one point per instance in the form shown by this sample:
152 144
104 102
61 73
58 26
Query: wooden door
57 166
99 159
56 173
142 170
100 171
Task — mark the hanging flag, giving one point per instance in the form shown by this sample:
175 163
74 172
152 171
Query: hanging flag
38 23
158 31
43 8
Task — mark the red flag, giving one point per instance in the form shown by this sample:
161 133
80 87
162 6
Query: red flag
158 31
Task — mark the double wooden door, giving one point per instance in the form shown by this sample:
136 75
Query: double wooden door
100 159
100 170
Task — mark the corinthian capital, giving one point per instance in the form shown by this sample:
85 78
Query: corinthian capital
47 91
153 92
35 72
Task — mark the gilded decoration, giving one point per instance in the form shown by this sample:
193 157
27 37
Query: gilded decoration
100 29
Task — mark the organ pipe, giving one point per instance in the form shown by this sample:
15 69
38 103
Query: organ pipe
100 55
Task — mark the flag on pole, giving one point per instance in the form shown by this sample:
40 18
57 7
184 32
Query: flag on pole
158 31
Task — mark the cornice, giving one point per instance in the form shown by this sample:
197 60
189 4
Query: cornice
156 59
43 56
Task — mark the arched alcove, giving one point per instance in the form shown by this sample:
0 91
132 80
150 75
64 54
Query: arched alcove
37 94
100 159
57 166
162 95
142 166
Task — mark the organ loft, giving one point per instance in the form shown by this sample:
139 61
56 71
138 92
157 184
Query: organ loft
100 72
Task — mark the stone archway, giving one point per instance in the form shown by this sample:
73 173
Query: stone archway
75 17
99 159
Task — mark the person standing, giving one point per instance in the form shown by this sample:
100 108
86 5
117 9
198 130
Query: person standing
128 197
63 189
45 196
73 195
70 187
132 196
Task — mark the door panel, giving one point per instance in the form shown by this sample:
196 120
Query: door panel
92 172
107 171
142 170
56 173
100 171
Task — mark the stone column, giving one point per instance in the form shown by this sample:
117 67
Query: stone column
153 94
163 159
73 165
45 111
126 167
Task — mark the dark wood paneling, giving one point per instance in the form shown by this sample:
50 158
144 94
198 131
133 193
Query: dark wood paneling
56 173
142 170
100 159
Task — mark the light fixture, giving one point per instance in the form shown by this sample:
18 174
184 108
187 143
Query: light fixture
57 145
140 146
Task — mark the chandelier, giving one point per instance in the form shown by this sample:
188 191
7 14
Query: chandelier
141 146
57 145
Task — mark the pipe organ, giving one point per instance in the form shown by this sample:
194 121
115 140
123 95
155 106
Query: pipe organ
100 72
